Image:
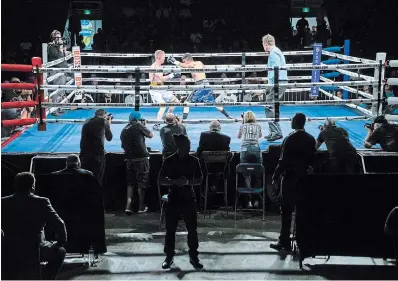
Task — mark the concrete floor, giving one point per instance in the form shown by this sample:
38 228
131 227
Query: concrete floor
229 249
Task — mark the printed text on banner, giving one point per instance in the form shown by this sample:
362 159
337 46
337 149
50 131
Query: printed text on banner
316 60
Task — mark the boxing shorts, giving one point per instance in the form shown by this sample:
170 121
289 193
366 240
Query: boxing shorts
161 96
202 95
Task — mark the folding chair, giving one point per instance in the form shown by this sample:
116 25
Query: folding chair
217 164
163 199
250 169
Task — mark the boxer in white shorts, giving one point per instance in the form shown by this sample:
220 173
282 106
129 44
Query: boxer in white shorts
161 96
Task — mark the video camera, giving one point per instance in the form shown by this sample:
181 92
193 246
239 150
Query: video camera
370 126
109 116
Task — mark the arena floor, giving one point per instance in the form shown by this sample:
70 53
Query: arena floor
66 137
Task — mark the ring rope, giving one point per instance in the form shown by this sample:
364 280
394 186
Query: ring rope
55 76
177 80
354 106
356 75
70 82
214 87
216 69
349 58
198 121
57 61
265 103
352 90
199 55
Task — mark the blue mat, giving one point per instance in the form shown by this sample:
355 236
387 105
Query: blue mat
66 137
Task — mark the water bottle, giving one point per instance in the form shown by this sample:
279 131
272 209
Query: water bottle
91 256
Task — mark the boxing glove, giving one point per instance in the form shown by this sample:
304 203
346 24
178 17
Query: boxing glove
174 75
172 60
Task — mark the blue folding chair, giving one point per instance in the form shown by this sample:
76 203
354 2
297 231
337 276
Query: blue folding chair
250 169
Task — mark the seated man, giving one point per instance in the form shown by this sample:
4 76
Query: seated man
213 140
383 133
166 134
23 226
73 167
342 154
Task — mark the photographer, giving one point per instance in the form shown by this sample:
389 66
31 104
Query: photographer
92 151
342 154
166 134
383 133
137 159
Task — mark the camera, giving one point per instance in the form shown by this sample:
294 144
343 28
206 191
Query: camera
320 127
143 121
369 126
109 116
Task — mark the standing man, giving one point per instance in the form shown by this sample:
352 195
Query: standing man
296 158
202 95
276 58
92 151
166 134
342 154
181 172
23 225
137 159
302 25
158 79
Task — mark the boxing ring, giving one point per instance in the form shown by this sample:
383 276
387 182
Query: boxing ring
58 134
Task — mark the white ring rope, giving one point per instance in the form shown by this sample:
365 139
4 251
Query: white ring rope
214 87
349 58
188 80
197 55
356 75
392 101
392 81
363 110
66 99
198 121
55 76
58 61
70 82
352 90
393 63
208 69
254 104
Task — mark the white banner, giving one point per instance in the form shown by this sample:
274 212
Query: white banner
77 62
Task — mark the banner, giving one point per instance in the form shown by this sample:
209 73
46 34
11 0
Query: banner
76 64
316 60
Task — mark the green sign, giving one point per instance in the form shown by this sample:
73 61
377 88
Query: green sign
87 12
306 10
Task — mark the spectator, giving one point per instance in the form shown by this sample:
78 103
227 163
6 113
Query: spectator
185 13
166 134
213 140
383 133
92 151
342 154
23 226
180 172
391 225
250 151
276 58
296 158
196 37
74 27
302 26
26 47
137 159
73 166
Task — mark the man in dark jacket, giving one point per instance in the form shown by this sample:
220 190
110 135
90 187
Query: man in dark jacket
137 159
342 154
181 172
296 158
73 167
167 132
383 133
213 140
23 224
92 151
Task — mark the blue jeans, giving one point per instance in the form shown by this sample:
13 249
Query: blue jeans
250 153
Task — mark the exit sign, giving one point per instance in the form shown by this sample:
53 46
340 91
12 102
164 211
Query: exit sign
306 10
87 12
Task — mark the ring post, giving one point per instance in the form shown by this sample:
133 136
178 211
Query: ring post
243 75
346 77
37 63
137 89
276 93
44 55
378 76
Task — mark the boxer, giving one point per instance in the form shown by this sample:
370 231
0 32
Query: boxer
202 95
161 96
